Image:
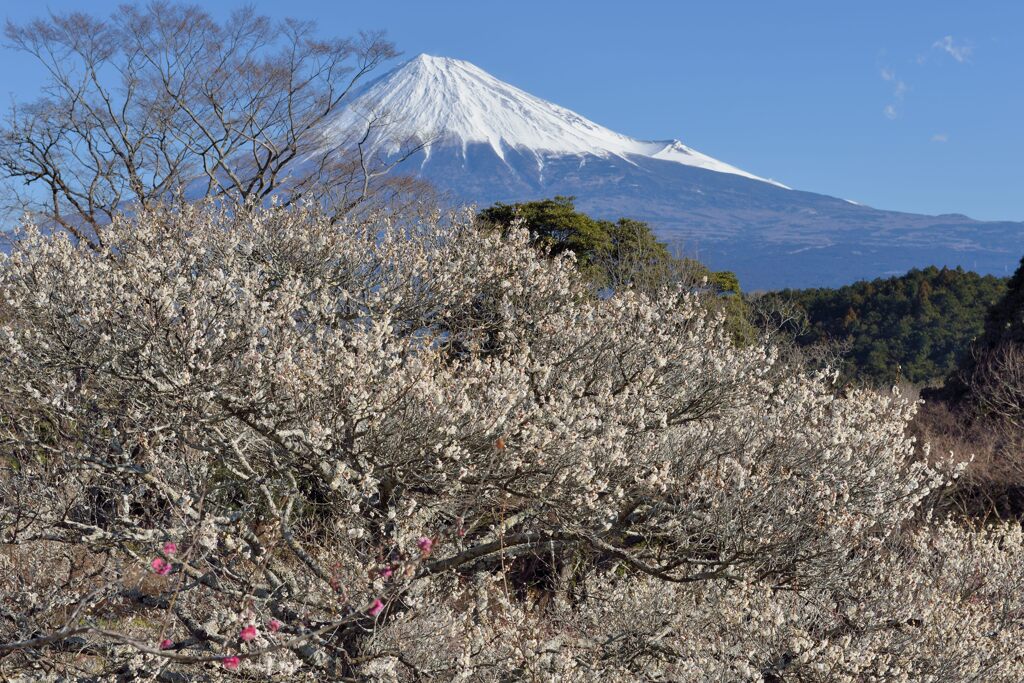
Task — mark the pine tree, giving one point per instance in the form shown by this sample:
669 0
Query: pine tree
1004 328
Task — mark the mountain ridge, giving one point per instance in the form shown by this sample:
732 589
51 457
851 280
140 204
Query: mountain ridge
490 141
496 113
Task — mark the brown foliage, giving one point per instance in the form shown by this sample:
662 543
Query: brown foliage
993 483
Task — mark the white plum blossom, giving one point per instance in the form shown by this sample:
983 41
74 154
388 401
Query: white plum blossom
410 449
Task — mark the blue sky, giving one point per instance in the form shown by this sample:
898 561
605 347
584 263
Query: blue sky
915 106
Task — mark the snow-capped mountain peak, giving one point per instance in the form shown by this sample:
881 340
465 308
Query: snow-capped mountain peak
444 101
481 141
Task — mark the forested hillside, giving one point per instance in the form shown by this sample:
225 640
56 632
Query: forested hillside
913 327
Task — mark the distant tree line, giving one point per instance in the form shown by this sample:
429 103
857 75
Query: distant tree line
914 327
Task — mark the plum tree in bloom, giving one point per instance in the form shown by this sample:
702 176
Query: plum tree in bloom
313 411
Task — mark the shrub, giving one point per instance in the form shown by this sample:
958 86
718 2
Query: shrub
262 442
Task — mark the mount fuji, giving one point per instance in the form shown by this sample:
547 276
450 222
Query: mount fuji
484 140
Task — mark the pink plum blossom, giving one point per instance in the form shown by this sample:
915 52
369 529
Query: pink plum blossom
170 548
274 625
376 607
425 544
166 644
248 633
386 572
160 566
231 663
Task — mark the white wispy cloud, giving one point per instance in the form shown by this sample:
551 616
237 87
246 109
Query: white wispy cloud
899 89
959 50
960 53
940 137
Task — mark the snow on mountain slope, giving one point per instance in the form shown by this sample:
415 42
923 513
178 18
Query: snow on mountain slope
491 142
445 101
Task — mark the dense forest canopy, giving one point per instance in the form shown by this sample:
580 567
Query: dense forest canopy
914 327
1002 334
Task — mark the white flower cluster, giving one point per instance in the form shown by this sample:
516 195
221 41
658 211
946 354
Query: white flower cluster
416 450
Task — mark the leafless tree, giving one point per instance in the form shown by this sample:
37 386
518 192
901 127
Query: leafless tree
998 385
164 99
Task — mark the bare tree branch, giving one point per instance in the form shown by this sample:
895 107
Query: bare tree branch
163 100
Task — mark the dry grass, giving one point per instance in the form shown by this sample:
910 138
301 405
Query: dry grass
993 484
